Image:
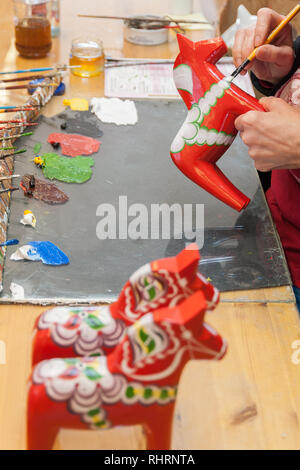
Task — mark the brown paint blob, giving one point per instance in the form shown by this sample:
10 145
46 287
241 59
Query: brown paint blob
42 190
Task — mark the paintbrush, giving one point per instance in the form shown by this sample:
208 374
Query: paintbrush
146 19
3 178
133 64
20 107
22 124
11 242
13 109
15 136
42 69
28 77
12 154
28 86
8 190
19 121
269 39
16 126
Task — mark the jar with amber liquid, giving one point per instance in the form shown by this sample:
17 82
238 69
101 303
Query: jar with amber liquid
89 55
33 27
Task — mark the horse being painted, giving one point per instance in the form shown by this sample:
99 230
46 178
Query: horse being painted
213 104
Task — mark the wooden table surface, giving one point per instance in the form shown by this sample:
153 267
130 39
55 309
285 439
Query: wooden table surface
249 400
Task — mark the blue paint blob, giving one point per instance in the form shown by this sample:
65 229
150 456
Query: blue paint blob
48 253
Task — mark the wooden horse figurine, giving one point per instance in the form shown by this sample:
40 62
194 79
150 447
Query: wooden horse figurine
213 104
84 331
135 384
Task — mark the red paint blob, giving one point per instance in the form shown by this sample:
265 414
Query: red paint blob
74 144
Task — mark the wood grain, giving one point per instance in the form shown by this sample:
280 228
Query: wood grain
249 400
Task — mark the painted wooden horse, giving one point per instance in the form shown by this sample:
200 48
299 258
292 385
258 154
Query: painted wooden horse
213 104
84 331
135 384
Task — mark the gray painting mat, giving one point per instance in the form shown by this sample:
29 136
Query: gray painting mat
241 251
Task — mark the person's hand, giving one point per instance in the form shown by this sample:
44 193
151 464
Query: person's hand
273 137
273 61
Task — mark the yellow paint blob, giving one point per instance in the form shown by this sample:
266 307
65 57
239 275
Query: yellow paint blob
77 104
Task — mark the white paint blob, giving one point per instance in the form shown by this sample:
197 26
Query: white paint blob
114 110
17 291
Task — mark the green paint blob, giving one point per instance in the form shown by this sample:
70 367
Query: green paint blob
69 170
37 148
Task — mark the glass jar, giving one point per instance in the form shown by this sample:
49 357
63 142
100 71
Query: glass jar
89 54
33 27
55 18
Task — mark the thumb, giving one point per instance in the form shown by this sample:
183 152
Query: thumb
274 104
281 56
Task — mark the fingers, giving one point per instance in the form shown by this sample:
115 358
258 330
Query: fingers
267 20
243 45
281 56
274 104
247 120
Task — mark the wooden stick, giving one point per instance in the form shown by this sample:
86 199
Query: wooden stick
145 18
269 39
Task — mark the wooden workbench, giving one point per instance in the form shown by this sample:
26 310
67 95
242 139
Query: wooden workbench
249 400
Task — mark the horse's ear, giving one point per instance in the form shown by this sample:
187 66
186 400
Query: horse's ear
187 261
209 50
185 44
191 309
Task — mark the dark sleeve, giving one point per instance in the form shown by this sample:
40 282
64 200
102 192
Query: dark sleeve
267 88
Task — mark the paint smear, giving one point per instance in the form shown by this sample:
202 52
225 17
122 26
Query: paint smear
37 148
79 125
28 219
46 252
74 144
17 291
43 190
69 170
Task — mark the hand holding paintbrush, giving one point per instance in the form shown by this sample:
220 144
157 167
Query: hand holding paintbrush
274 58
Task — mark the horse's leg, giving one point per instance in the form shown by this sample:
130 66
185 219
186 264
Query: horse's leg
158 429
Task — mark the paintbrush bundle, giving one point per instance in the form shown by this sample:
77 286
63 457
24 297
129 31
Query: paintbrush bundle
27 113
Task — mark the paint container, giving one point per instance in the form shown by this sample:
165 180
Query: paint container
144 36
89 54
55 18
33 27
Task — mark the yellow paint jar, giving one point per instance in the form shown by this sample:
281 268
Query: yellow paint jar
89 54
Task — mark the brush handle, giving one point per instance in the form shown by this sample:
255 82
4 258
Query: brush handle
277 30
